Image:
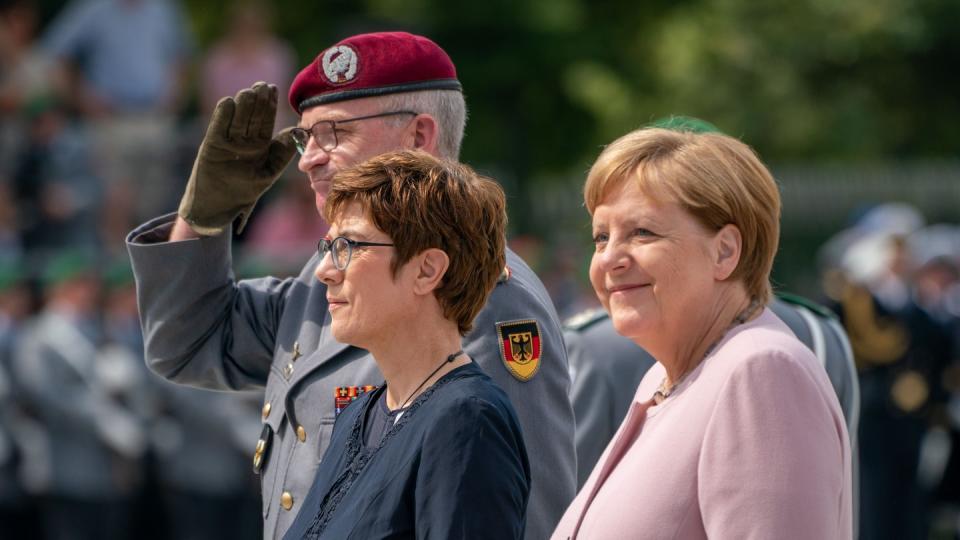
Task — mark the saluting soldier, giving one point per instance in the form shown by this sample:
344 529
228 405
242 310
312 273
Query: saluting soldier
364 96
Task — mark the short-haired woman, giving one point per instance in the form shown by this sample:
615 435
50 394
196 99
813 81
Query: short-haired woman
414 248
735 432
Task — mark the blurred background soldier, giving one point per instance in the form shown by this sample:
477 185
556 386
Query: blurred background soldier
199 485
202 441
14 307
86 466
902 354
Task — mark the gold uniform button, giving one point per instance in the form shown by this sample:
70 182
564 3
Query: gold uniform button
266 410
301 434
286 500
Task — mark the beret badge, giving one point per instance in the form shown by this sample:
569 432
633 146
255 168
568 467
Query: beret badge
369 65
339 64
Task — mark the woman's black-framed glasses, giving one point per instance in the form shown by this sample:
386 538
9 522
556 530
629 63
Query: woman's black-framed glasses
324 132
341 249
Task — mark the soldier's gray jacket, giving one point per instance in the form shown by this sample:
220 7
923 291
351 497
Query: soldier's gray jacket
605 370
203 328
86 447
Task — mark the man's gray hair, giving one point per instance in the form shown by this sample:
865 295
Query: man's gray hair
447 107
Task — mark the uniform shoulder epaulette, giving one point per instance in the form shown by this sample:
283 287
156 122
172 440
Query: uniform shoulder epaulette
585 319
798 300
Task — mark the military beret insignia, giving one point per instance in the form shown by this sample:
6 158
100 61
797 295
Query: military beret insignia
520 347
376 64
339 64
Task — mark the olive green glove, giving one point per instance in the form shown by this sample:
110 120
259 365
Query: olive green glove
239 159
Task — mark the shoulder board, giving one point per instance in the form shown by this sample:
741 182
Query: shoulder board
585 319
798 300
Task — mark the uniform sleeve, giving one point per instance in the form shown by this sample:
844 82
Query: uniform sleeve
775 462
201 327
474 479
592 406
542 402
843 373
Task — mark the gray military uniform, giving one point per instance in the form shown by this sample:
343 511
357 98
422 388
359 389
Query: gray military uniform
91 444
203 328
605 369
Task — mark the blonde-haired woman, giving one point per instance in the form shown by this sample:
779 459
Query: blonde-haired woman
735 432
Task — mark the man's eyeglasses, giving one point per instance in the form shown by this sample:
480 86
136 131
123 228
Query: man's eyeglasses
341 249
324 132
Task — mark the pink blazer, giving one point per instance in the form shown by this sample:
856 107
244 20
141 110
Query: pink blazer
751 444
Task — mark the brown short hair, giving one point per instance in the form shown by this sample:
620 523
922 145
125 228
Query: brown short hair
716 178
423 202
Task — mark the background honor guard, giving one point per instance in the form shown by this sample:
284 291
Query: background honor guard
366 95
86 463
902 352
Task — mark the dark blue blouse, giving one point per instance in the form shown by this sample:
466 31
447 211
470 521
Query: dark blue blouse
453 466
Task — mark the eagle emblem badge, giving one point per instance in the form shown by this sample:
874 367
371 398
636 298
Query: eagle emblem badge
520 347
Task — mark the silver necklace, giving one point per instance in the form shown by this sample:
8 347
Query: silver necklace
664 391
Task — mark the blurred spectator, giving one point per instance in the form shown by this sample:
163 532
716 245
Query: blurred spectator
11 246
286 230
129 56
58 194
249 52
86 460
128 61
27 76
901 353
936 289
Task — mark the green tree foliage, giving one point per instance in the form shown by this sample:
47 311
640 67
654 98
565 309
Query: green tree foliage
549 82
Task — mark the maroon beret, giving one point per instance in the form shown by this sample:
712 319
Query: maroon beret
373 65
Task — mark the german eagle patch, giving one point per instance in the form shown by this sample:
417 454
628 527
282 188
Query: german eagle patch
520 347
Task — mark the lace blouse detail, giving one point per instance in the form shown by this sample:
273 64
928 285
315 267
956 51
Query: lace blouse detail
358 457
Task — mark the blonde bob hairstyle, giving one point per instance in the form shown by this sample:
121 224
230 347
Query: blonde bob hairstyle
716 178
423 202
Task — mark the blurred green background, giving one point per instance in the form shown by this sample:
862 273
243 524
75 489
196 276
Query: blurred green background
850 103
